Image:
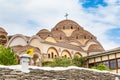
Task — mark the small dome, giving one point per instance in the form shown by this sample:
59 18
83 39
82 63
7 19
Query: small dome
2 30
44 33
82 34
67 24
59 35
95 48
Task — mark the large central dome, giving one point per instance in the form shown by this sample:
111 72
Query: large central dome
70 30
67 24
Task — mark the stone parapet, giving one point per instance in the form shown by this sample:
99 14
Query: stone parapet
70 74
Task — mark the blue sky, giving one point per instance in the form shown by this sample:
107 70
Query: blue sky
100 17
93 3
114 35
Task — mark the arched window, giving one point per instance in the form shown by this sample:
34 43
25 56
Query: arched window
60 37
71 27
77 37
91 38
55 56
85 37
63 27
65 56
48 55
52 54
35 57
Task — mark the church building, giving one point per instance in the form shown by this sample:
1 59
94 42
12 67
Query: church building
66 39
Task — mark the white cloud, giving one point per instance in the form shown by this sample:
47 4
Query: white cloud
111 2
15 16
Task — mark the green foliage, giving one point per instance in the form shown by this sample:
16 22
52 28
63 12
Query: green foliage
65 62
61 62
9 37
100 67
46 63
79 61
7 56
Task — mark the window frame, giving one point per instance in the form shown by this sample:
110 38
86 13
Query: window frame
112 64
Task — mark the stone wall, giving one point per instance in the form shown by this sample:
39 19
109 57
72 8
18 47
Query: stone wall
70 74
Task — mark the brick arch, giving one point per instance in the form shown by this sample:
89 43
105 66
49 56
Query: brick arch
52 53
17 36
91 41
35 37
78 54
36 59
66 53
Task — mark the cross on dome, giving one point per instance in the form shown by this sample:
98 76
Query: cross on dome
66 15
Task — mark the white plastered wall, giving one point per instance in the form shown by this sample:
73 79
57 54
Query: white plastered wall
112 56
105 57
91 60
98 59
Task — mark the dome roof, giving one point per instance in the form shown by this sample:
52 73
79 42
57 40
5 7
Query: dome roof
95 48
82 34
67 24
59 35
44 33
2 30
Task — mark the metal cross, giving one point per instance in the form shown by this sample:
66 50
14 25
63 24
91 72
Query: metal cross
66 15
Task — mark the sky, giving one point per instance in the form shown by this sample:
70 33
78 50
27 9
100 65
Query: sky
100 17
